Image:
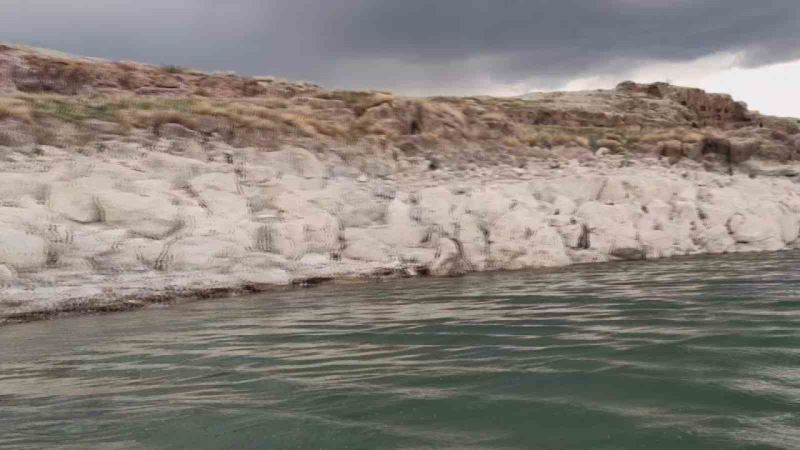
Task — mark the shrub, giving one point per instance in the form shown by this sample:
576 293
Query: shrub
173 69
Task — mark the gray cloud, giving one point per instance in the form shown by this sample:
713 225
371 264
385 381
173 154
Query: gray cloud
413 45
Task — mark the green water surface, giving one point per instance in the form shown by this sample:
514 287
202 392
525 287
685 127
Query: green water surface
697 353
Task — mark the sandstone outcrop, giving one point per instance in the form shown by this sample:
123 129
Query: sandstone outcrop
174 102
706 108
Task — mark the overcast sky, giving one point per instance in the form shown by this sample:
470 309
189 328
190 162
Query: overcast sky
503 47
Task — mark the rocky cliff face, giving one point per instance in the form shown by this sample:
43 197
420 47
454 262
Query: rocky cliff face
33 71
123 183
242 111
130 224
719 110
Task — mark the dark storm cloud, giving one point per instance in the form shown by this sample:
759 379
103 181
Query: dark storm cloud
431 45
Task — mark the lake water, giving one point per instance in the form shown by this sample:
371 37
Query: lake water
695 353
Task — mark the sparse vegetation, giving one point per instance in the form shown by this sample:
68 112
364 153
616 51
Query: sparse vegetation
15 109
173 69
267 112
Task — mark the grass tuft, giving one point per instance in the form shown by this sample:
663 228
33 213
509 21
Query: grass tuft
16 110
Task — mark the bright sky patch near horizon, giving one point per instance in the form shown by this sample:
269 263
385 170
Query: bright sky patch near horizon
445 47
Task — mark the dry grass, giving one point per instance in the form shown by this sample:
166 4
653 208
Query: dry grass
62 93
156 119
358 101
15 109
338 118
409 123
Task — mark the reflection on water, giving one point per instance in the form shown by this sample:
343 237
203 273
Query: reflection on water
696 353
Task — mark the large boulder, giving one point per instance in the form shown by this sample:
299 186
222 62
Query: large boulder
218 181
693 151
20 250
14 186
733 151
225 205
354 206
657 230
7 276
610 226
294 161
743 149
715 240
219 194
153 217
717 146
361 245
761 232
202 253
563 206
450 259
672 150
523 239
615 190
75 199
317 232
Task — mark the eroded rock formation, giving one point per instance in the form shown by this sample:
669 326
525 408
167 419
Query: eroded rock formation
132 222
122 183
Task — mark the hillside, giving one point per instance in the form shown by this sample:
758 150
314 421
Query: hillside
124 184
52 98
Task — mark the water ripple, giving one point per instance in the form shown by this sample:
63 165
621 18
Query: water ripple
691 353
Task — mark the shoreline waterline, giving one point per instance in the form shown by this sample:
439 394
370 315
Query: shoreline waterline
95 306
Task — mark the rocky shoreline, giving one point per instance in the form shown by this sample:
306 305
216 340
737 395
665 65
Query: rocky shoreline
124 184
132 225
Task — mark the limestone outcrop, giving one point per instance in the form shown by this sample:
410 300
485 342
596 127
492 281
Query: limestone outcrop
124 183
89 229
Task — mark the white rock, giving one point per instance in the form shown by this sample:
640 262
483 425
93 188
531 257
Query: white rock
150 216
615 190
135 211
757 231
202 252
294 161
790 227
225 205
6 275
716 240
278 277
76 199
20 250
315 259
225 182
563 205
612 226
449 260
577 188
13 186
360 245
